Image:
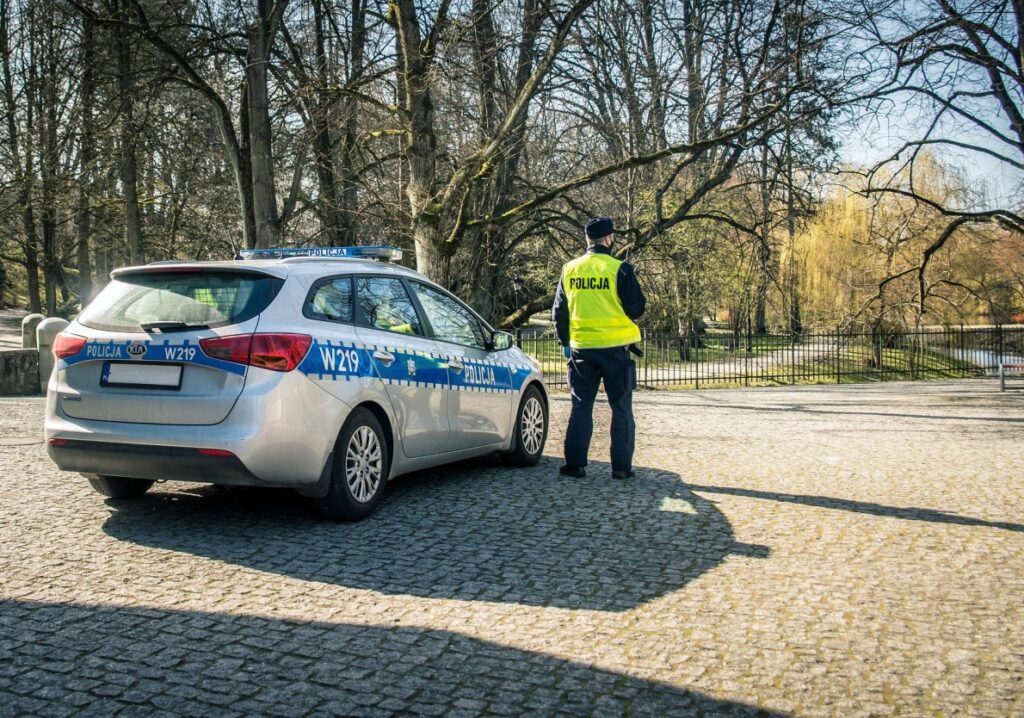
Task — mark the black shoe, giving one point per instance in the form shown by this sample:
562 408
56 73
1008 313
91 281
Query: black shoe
623 474
575 472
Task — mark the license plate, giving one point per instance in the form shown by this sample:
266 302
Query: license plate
149 375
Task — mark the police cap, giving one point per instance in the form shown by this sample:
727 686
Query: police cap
598 227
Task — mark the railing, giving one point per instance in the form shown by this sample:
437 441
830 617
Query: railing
734 360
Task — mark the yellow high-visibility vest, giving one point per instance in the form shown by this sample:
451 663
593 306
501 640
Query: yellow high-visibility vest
596 317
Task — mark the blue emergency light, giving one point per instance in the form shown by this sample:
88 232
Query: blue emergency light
387 254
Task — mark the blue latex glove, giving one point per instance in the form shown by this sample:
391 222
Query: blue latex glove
567 352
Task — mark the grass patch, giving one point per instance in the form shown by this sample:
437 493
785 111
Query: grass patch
855 364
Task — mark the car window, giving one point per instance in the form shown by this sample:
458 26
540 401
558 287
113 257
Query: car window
331 299
200 298
451 321
385 304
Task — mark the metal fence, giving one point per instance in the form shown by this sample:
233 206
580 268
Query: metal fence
725 359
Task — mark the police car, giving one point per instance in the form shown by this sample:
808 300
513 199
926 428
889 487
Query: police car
329 371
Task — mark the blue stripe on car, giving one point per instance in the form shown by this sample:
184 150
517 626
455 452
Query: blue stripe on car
328 360
184 352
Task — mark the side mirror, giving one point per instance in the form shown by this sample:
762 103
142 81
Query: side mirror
501 341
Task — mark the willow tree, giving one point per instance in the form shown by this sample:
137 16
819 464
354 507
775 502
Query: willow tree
960 68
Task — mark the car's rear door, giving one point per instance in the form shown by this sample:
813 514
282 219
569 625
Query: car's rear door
408 362
142 361
480 392
337 358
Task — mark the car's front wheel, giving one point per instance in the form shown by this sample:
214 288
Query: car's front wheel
118 487
530 432
360 469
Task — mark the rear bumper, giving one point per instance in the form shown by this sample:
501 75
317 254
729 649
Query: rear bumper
281 431
162 463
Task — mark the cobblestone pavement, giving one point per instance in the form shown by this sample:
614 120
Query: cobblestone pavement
853 550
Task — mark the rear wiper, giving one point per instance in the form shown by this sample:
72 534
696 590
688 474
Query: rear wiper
170 326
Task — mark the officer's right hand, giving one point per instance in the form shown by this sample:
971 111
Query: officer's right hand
567 352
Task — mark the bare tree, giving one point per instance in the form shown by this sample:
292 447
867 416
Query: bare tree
19 111
249 147
959 67
439 205
329 66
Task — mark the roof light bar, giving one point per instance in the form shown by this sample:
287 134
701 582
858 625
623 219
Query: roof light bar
387 254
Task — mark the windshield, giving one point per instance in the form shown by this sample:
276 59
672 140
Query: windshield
178 301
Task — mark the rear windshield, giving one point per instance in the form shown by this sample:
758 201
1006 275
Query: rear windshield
179 301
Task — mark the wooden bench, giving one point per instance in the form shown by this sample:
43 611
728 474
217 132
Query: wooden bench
1002 373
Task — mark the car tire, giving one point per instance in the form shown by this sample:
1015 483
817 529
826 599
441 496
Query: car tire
119 487
530 432
360 469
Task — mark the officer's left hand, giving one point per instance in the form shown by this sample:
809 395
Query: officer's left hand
567 352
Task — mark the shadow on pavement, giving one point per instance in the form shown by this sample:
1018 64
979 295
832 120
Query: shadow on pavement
472 531
908 513
73 659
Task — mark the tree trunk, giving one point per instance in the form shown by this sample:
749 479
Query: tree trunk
86 154
349 179
48 226
764 251
264 195
242 166
796 324
486 281
49 157
32 268
421 155
104 265
656 109
683 313
129 134
486 59
482 276
23 162
487 267
693 38
329 209
417 112
426 237
795 321
319 110
523 313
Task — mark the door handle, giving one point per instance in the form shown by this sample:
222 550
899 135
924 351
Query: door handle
455 365
385 358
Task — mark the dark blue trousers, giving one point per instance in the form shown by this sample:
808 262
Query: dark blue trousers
587 368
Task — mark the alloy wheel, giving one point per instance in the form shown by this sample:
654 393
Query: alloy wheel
531 426
363 464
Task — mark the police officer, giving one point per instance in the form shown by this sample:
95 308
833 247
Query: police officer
596 305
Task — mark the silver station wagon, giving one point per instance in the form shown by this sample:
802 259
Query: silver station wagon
326 370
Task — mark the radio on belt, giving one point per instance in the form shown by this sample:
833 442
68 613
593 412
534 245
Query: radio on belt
386 254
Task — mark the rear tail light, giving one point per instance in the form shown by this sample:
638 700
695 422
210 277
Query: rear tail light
234 348
67 345
277 352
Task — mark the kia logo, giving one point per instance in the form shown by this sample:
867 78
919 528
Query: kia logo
137 350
